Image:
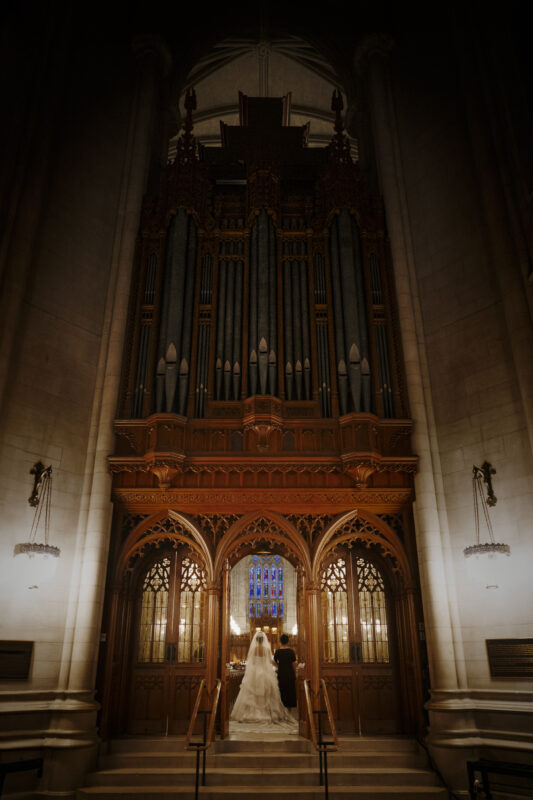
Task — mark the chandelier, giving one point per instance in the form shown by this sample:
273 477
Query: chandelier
37 560
490 548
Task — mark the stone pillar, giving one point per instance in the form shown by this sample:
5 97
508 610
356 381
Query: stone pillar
88 581
502 213
27 189
436 574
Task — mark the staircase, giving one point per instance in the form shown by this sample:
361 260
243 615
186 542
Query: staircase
363 768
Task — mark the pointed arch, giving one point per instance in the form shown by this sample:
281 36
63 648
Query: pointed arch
263 526
368 529
166 526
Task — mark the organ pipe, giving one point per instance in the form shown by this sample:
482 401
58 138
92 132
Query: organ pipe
175 334
263 316
289 355
237 331
304 316
351 337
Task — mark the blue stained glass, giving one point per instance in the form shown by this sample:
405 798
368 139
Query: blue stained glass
276 559
274 610
258 573
281 609
252 574
265 575
258 590
273 573
255 558
265 591
252 593
281 591
280 574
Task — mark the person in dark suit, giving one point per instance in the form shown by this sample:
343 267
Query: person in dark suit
285 658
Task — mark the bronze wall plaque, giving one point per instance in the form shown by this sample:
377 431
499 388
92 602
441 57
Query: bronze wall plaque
510 658
15 660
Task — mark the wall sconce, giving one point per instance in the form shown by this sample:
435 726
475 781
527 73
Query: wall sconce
38 560
490 548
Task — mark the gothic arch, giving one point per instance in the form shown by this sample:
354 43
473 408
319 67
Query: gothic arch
369 530
166 526
263 526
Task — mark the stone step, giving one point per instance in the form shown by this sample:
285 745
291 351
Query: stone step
364 768
176 744
264 760
295 776
262 791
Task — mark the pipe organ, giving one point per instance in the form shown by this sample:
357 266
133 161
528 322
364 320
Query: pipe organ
262 405
263 271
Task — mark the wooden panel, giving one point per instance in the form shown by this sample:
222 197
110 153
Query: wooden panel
377 700
342 697
184 689
148 702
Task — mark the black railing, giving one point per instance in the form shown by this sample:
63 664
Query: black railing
485 767
321 745
202 745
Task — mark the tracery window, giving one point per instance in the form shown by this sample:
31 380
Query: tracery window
335 613
266 587
154 612
373 614
172 612
191 613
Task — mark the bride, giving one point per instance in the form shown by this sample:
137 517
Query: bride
259 699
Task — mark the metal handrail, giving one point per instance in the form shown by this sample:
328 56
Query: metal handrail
207 738
322 746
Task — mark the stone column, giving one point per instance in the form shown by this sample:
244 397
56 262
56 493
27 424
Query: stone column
88 581
491 158
27 188
436 574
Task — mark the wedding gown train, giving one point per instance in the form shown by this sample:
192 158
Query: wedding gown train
259 700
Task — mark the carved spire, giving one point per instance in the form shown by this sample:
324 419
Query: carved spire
340 144
187 150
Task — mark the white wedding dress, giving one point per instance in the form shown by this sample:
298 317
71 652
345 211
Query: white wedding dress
259 701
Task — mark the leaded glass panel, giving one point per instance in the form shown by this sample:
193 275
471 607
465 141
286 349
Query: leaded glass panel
154 609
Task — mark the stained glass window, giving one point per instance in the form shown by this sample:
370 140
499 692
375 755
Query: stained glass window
266 582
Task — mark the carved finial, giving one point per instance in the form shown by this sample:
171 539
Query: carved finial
187 142
340 144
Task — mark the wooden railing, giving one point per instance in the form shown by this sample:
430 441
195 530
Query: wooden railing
210 712
321 745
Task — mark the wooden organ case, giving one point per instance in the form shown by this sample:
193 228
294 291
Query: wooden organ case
262 407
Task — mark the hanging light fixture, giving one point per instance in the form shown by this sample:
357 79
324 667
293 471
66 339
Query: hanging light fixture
490 548
35 561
